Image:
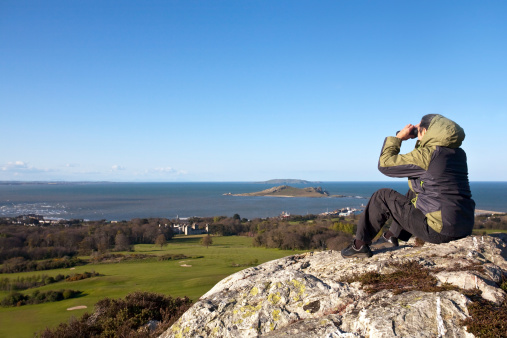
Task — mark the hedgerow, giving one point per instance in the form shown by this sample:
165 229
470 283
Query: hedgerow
37 297
19 264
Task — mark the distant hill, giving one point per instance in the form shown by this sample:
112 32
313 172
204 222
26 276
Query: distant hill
286 181
287 191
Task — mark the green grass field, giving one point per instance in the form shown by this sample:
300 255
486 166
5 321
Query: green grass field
167 277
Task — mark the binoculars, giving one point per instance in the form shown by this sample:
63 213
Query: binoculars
413 133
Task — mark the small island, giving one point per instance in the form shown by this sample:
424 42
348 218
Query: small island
288 191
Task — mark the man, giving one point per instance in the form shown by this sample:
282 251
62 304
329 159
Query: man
438 207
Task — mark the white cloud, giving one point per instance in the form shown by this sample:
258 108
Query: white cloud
117 167
19 167
169 170
22 170
165 170
159 173
14 166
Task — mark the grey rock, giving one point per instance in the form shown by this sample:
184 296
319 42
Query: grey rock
150 326
304 296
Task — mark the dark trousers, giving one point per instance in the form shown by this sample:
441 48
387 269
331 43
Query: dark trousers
407 219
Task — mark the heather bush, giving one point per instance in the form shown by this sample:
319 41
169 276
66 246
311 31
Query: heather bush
124 317
486 318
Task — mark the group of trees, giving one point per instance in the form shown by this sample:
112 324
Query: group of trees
31 243
295 232
284 235
56 241
488 222
309 231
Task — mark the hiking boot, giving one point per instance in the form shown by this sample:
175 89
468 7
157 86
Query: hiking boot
352 252
383 243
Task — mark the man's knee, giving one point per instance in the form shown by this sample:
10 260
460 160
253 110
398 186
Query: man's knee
383 193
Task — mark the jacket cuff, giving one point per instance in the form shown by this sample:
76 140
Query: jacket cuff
393 141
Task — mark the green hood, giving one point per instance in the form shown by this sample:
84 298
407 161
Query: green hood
442 132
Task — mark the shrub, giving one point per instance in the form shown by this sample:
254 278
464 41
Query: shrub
66 294
124 317
37 297
171 257
27 282
13 299
19 264
79 276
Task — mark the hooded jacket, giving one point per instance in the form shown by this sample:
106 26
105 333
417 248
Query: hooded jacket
438 174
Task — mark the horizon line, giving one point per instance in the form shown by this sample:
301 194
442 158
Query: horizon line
253 181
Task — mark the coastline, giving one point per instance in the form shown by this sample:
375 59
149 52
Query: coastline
487 212
287 196
287 191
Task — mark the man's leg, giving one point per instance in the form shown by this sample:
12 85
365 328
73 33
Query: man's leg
384 203
416 224
407 219
396 229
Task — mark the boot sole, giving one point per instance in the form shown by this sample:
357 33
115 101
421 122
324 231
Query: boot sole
359 255
382 246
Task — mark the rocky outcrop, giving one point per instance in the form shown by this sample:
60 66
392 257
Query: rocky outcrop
307 295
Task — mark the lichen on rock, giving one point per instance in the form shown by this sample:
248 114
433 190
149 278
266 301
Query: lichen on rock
314 295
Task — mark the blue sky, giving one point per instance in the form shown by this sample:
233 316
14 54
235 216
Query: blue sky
243 90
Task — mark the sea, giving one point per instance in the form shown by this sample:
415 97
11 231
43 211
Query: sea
125 201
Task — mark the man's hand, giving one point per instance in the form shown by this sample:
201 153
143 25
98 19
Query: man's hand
404 134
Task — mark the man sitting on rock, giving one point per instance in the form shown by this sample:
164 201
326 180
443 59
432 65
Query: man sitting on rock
438 208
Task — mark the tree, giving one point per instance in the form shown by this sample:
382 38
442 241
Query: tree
150 233
121 242
160 240
206 241
87 245
102 242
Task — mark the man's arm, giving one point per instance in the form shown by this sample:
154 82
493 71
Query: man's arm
413 164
